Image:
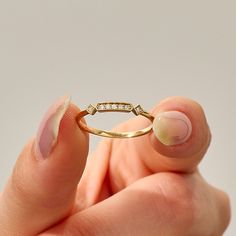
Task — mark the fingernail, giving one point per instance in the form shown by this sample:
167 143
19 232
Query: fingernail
46 138
172 127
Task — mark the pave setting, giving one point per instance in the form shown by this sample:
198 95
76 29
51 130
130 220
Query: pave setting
114 107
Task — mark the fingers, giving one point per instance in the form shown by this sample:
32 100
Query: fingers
160 204
222 204
43 184
184 131
180 139
178 144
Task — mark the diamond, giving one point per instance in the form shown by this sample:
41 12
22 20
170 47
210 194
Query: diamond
108 106
121 106
127 107
101 107
114 106
138 109
91 109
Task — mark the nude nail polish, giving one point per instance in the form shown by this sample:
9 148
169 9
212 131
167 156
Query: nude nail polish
172 127
46 138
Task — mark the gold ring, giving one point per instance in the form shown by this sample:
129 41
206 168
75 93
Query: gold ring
114 107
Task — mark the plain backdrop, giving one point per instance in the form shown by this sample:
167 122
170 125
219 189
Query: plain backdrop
135 51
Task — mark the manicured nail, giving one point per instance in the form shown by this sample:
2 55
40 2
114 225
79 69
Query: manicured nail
46 138
172 127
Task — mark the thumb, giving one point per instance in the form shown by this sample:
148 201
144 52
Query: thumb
180 139
42 187
181 134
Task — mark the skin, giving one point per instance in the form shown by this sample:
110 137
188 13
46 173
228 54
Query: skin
129 186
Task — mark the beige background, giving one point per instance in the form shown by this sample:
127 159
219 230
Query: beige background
137 51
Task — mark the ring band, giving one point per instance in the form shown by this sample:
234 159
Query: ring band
114 107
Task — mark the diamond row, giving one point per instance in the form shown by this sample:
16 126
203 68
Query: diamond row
124 107
114 106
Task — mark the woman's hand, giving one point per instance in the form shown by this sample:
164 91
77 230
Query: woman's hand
148 185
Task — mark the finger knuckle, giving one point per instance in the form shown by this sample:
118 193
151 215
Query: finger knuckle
177 200
224 211
82 225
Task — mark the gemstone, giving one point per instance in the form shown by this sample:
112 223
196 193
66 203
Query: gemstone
114 106
127 107
121 106
138 109
101 107
108 106
91 109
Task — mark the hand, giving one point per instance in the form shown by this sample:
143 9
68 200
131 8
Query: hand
148 185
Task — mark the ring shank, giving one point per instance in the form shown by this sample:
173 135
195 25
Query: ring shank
110 134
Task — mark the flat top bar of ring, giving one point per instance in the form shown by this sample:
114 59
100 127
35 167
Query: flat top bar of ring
114 107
